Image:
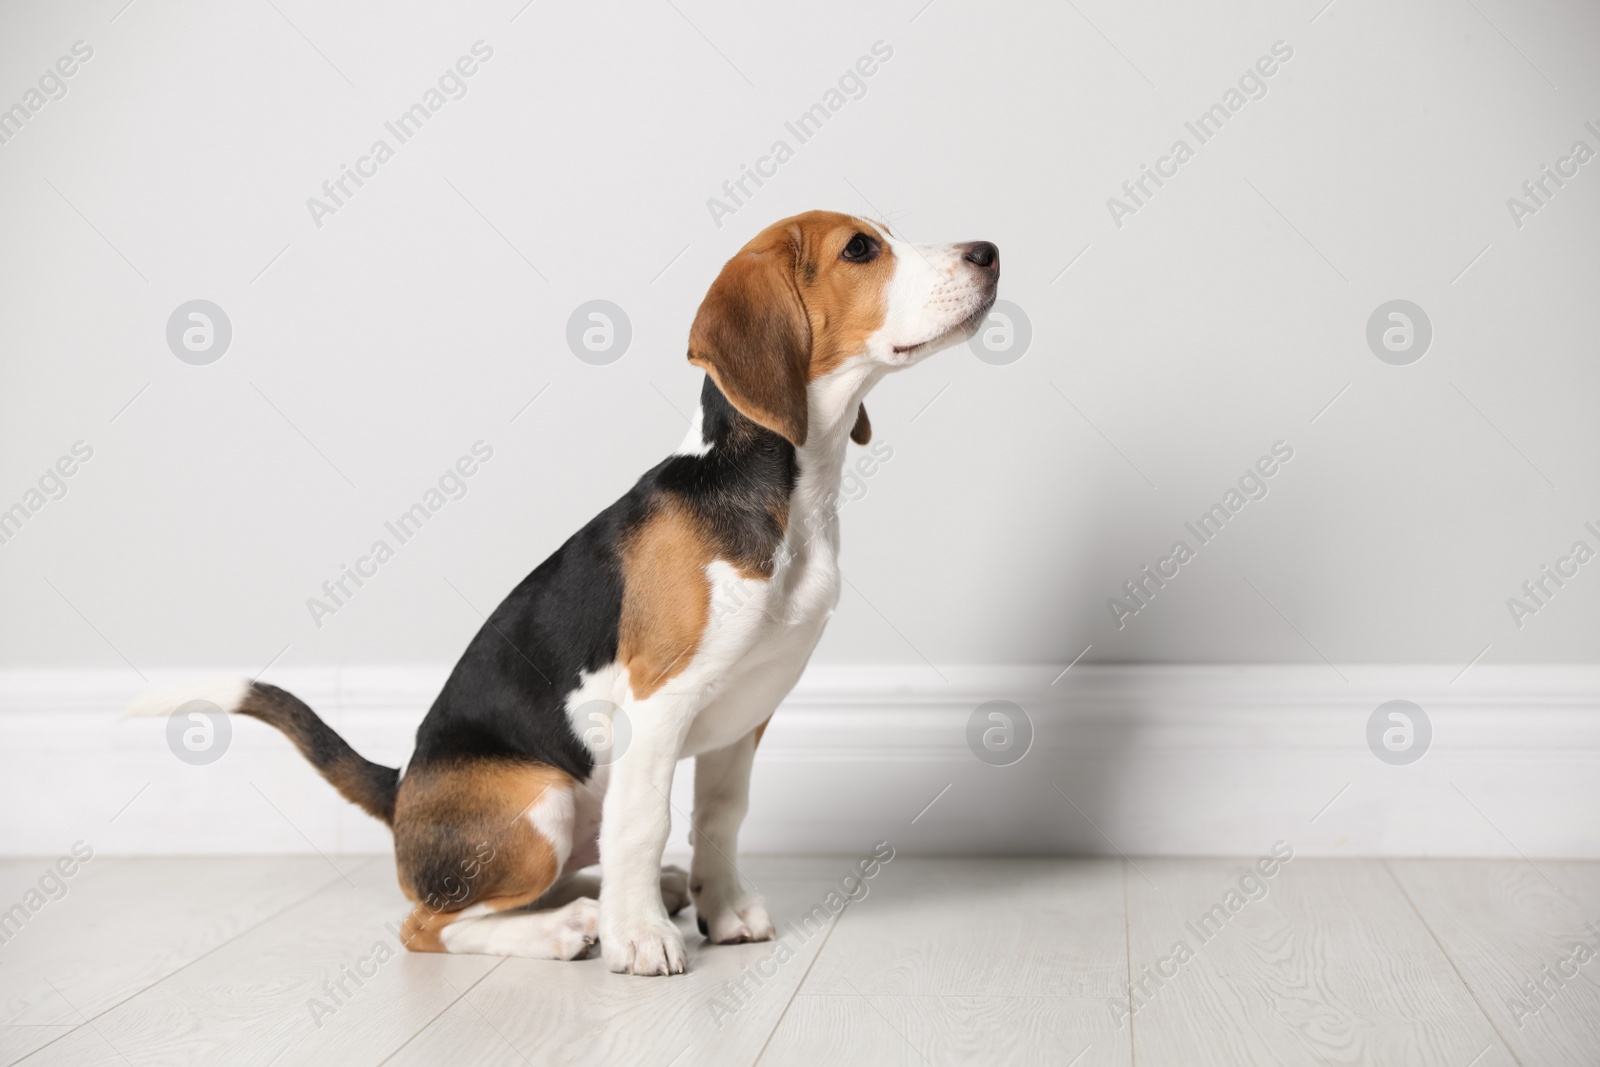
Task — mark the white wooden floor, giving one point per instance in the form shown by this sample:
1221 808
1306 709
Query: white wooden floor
944 961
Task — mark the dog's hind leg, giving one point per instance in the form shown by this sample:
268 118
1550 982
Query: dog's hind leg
477 843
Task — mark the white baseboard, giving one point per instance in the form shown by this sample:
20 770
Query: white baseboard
1155 761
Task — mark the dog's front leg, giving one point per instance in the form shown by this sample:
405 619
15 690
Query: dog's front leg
727 911
636 936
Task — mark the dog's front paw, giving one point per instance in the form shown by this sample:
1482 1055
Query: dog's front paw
731 916
644 947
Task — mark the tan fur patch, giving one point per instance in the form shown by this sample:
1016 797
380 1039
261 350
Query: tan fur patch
666 596
846 302
462 837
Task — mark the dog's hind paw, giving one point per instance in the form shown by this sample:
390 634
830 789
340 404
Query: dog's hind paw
674 889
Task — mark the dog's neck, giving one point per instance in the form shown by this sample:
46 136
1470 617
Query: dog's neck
833 402
808 475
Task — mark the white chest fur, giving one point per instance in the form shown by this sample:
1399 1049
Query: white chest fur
762 630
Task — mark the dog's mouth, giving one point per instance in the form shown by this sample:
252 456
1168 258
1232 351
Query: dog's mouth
959 332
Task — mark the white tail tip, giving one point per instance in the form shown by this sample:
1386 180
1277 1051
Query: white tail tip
225 693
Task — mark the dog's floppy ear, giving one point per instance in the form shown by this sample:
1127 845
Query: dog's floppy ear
861 432
754 339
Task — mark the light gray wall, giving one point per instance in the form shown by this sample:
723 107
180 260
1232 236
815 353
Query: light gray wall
1223 316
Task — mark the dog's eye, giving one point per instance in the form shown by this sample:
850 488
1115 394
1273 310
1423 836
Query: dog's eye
860 249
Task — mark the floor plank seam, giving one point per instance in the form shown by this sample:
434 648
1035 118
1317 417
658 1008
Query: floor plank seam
59 1037
462 994
800 984
1337 974
88 1019
1127 951
1471 992
967 996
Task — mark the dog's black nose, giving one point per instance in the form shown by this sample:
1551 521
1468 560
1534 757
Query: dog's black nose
983 254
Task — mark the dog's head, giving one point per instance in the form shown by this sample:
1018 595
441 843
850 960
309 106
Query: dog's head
824 292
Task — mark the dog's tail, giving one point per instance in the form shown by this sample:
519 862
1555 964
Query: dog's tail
368 785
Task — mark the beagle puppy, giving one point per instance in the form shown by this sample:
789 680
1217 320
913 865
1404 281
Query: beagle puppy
520 776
